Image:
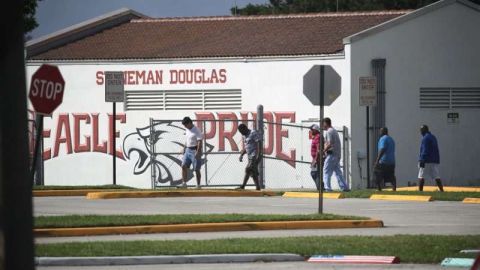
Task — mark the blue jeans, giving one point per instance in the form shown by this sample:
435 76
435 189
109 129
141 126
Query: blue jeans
189 159
315 176
332 165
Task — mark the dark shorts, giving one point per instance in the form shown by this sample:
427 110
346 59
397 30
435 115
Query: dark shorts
385 173
252 167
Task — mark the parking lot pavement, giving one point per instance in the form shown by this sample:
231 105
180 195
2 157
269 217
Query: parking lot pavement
436 217
258 265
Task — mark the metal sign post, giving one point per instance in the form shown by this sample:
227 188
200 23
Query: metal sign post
114 91
114 143
322 85
368 97
46 94
320 164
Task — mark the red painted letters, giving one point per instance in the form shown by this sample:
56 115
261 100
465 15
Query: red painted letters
77 146
63 124
281 133
177 76
222 135
87 143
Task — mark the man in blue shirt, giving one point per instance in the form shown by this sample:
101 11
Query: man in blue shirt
385 163
429 159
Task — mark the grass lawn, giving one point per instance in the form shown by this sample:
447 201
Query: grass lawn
410 248
80 187
437 196
73 221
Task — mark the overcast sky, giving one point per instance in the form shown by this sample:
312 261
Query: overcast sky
53 15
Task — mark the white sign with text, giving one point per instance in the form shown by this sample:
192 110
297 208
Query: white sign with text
368 91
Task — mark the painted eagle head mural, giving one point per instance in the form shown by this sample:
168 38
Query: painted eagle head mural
160 148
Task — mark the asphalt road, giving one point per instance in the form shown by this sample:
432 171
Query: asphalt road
399 217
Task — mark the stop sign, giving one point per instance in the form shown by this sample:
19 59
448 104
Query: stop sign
46 89
332 82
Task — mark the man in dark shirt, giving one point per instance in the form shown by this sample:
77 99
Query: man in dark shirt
429 159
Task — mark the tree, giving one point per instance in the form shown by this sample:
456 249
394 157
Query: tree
310 6
29 8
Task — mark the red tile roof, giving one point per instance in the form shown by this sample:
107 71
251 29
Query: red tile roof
249 36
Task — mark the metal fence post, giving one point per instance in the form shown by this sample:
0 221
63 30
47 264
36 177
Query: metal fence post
261 165
345 154
205 152
39 171
152 154
39 166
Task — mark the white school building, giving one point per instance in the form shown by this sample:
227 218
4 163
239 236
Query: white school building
426 61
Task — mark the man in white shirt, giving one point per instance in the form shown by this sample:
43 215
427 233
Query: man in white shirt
192 151
333 153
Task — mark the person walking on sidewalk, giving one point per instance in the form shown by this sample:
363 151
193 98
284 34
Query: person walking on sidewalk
333 153
385 163
192 151
251 147
429 159
317 139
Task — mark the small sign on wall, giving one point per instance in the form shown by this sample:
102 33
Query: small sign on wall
368 91
114 86
453 118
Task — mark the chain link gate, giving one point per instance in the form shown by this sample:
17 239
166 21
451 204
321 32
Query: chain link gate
297 173
286 164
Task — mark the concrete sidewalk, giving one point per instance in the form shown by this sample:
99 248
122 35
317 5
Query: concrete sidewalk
179 259
256 265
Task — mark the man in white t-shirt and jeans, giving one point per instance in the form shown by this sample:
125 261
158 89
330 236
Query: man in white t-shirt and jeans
192 151
333 153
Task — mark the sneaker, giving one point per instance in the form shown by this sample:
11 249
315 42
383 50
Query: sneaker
240 187
183 185
346 190
198 187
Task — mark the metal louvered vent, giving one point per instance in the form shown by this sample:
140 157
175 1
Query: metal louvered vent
222 99
183 100
450 98
230 99
465 98
144 100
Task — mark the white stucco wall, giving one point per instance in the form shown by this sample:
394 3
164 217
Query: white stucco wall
275 83
436 49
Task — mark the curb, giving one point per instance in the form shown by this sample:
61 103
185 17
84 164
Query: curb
327 195
416 198
471 200
182 193
435 188
64 192
210 227
181 259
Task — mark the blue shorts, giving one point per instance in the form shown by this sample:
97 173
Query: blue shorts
189 159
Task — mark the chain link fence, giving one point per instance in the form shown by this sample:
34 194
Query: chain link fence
286 152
